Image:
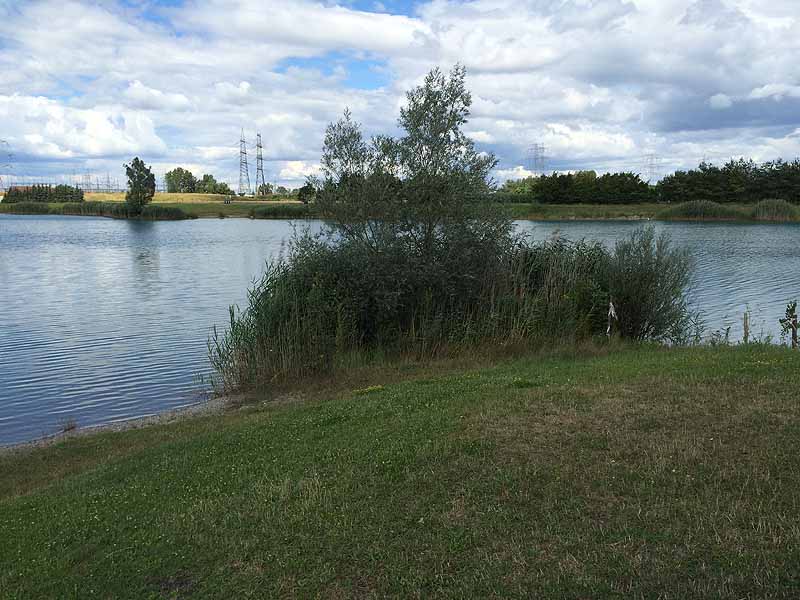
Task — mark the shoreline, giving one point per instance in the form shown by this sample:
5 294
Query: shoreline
213 406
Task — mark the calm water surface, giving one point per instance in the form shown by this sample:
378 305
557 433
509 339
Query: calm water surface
104 320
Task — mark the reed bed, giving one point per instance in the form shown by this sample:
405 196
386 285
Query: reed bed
775 211
115 210
329 305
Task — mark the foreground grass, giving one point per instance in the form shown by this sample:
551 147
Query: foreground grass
644 473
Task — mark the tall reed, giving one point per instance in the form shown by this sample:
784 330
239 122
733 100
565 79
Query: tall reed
328 302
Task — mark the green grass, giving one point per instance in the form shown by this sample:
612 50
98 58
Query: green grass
641 473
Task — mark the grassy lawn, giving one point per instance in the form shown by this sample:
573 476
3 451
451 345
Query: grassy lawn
641 473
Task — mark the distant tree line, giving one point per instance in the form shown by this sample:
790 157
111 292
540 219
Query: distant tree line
181 180
44 193
583 187
737 181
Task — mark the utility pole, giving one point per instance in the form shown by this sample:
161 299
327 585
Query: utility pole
259 166
244 171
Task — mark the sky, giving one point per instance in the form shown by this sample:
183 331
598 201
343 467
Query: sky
602 84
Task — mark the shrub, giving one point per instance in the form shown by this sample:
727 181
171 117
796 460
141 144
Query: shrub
647 281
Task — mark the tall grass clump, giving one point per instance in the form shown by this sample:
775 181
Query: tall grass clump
701 210
26 208
414 263
775 210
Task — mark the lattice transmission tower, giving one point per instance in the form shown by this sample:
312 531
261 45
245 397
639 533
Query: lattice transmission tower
260 181
651 169
536 159
244 171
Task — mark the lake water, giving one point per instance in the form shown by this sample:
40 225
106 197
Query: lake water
104 320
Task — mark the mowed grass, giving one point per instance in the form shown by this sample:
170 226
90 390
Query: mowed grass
641 473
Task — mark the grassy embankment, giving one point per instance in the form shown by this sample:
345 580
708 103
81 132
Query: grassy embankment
192 205
646 472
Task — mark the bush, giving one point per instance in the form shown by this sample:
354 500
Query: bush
647 281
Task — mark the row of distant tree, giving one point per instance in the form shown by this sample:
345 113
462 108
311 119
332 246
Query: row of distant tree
736 181
43 193
181 180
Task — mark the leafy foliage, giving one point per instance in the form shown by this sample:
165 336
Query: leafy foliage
180 181
141 186
583 187
737 181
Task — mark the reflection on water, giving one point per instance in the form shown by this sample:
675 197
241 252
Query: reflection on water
104 320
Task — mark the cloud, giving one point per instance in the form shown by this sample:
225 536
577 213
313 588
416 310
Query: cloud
720 101
599 82
143 97
777 91
44 128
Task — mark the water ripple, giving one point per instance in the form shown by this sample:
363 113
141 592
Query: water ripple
105 320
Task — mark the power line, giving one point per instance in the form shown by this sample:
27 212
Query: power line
244 171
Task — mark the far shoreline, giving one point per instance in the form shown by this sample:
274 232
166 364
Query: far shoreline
295 211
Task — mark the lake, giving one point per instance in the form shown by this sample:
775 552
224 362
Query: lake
104 320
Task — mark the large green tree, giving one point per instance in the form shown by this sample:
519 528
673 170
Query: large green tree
180 181
141 186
